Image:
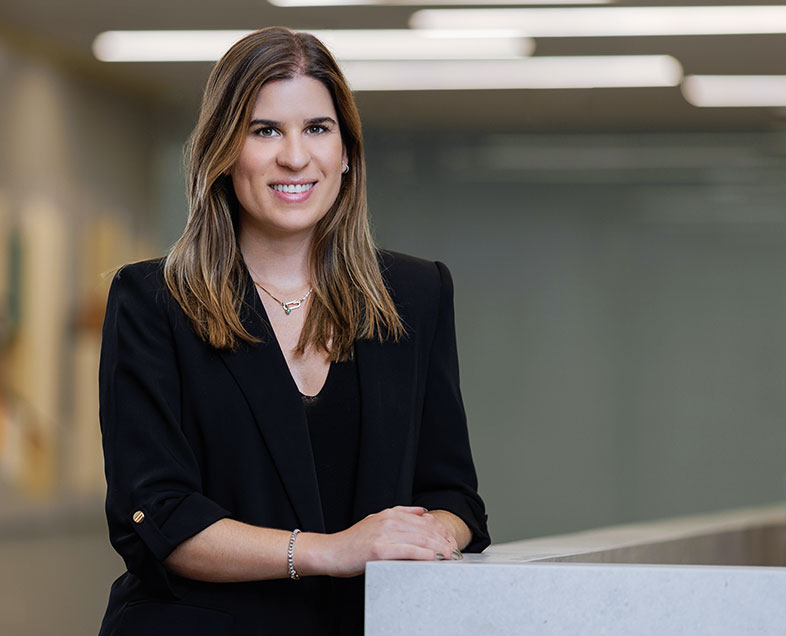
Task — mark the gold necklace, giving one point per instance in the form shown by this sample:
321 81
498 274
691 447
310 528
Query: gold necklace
286 306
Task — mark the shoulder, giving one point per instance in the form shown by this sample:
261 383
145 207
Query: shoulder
419 287
148 272
140 284
407 274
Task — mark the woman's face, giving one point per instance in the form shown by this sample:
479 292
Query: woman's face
288 173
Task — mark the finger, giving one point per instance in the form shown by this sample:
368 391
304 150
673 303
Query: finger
415 510
409 524
431 542
408 551
418 525
399 512
398 519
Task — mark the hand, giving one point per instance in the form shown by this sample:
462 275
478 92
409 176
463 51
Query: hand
403 532
455 525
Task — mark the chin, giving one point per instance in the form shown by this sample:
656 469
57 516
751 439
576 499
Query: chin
294 228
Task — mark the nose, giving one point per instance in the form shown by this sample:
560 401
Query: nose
294 153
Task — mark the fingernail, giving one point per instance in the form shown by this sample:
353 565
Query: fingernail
457 556
439 556
425 510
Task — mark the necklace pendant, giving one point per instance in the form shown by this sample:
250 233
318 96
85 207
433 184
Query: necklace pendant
288 306
292 304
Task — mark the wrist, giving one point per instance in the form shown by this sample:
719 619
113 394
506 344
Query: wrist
310 555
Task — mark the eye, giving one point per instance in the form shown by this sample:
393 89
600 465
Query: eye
316 129
265 131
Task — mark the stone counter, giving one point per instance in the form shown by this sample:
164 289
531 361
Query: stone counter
720 574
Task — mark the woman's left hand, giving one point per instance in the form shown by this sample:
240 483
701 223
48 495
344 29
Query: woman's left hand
455 527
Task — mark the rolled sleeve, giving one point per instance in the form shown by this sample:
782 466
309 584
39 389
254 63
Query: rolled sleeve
193 513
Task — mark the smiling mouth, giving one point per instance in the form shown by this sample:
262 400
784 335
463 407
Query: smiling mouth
293 189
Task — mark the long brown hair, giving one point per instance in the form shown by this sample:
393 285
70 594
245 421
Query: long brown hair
205 271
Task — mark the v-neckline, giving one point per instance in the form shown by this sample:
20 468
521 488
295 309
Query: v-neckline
259 305
306 396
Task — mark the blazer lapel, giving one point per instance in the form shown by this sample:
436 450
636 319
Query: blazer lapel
263 376
386 403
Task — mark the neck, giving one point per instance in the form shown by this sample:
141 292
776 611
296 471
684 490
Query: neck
282 263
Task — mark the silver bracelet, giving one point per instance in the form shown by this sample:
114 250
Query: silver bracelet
290 556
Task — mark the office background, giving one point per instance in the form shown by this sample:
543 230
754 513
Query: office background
618 256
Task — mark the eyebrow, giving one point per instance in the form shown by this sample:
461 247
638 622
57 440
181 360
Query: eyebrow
307 122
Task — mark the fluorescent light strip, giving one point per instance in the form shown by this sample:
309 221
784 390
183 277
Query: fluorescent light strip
611 21
729 91
536 73
406 44
349 44
399 3
164 46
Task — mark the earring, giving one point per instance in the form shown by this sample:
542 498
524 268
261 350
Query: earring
345 168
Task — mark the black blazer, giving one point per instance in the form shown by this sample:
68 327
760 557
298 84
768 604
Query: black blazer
192 435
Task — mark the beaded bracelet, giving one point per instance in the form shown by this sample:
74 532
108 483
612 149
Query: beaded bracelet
290 556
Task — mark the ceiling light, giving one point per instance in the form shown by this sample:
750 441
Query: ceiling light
349 44
611 21
536 73
164 46
407 44
393 3
735 90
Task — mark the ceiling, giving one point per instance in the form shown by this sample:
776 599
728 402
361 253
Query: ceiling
65 31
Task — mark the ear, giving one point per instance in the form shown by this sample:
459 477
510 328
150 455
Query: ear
344 158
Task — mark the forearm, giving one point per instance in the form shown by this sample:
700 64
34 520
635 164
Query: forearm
230 551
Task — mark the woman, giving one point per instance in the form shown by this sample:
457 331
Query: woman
279 400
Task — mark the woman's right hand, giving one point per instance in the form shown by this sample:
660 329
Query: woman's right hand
403 532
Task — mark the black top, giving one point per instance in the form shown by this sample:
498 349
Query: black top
333 417
334 427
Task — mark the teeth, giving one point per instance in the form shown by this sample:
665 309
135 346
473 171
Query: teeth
293 189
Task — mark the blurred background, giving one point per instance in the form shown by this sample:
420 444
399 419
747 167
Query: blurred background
607 186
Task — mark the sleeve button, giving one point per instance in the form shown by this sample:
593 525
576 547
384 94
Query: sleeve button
139 516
